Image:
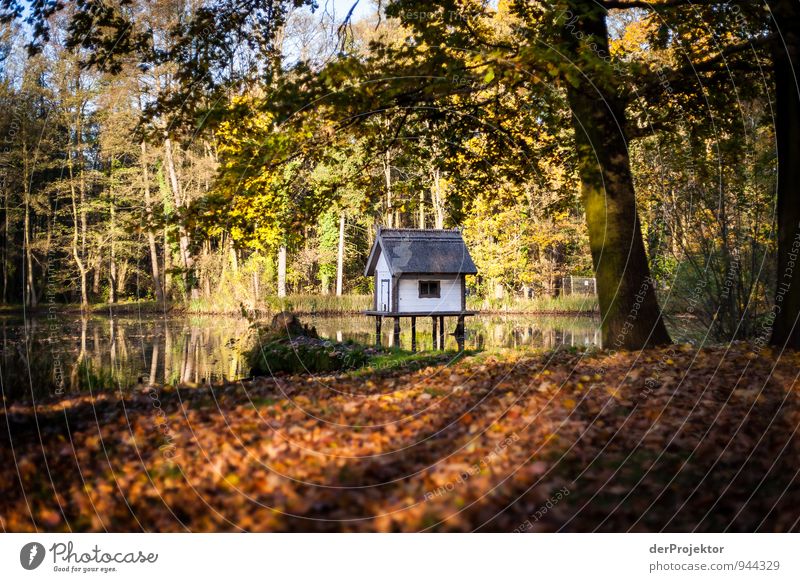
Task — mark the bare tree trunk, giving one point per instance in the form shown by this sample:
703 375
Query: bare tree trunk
207 274
387 173
226 243
282 271
84 219
77 254
151 235
97 272
112 266
123 268
167 264
187 261
30 294
6 226
234 260
437 197
340 257
422 209
204 275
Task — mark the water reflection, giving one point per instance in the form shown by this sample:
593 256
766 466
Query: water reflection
46 357
507 331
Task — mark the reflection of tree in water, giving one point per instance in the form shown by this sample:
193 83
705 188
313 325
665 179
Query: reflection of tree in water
105 353
520 332
101 353
483 332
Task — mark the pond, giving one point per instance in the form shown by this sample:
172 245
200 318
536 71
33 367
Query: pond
44 357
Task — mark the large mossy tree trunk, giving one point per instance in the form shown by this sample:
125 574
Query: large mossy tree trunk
631 317
786 58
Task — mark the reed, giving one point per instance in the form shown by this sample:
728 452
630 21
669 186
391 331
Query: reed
562 304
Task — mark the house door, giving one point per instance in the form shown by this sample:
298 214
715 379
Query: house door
383 299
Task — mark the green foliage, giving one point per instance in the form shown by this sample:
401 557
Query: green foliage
328 246
275 353
394 359
274 358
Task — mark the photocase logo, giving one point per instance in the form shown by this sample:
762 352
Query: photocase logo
31 555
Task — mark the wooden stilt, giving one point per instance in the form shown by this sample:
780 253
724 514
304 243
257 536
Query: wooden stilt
413 334
378 331
441 332
460 333
396 332
435 335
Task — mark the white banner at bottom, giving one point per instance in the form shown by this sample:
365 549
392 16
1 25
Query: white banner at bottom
400 557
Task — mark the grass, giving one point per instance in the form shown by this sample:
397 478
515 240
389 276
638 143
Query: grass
331 304
122 306
562 304
302 304
306 304
395 359
321 303
130 306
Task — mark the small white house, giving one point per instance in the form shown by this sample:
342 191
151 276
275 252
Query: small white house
419 272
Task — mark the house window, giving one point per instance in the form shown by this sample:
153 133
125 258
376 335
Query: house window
429 289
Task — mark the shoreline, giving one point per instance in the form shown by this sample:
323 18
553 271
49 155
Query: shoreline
180 310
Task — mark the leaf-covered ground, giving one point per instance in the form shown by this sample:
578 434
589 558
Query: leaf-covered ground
672 439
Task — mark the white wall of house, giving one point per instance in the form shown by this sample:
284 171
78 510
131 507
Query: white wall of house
449 298
384 290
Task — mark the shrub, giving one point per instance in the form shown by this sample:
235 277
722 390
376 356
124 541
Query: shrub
288 346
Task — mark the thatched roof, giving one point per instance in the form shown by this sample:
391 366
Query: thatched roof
415 251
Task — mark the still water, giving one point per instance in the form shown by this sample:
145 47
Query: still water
44 357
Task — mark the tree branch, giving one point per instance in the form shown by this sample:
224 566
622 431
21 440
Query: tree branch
659 5
708 65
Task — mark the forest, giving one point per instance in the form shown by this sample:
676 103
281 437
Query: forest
114 190
236 158
215 155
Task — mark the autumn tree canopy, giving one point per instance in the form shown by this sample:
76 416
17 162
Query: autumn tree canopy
649 144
